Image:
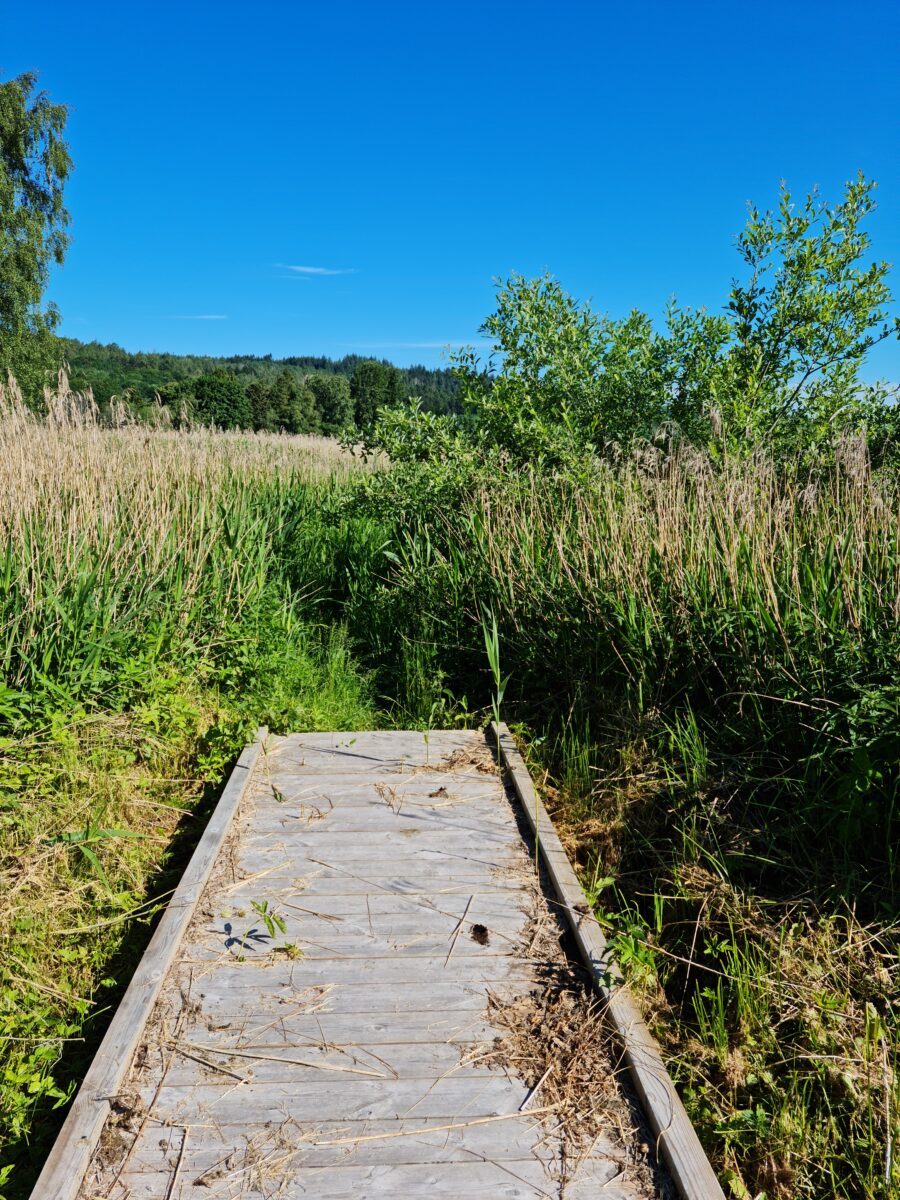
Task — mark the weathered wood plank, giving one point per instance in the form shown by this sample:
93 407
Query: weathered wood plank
423 787
450 1098
483 1180
392 751
308 878
407 837
371 997
334 908
242 938
370 927
350 822
273 975
353 941
415 920
305 1065
378 845
392 873
426 1142
334 880
235 1151
281 1025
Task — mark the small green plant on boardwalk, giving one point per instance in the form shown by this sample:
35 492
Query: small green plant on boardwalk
492 649
271 919
273 923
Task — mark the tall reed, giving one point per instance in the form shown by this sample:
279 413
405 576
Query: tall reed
709 656
126 542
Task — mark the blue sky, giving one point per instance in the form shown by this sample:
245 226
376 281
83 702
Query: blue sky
411 153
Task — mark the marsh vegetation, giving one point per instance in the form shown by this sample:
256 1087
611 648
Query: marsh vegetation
673 553
147 627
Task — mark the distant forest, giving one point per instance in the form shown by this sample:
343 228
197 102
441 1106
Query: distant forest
300 394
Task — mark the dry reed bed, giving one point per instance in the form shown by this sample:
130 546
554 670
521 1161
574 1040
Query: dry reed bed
84 486
741 536
769 605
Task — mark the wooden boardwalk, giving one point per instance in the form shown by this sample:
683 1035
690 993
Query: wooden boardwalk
363 1004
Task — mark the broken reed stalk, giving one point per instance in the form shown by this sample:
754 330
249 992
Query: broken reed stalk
401 1133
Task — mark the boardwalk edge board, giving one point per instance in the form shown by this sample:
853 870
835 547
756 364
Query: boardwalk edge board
677 1139
68 1161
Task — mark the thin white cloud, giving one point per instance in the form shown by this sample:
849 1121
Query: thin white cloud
316 270
200 317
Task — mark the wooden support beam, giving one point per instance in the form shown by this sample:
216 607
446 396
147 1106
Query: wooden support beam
68 1160
676 1137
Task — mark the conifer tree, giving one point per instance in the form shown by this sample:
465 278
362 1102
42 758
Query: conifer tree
259 399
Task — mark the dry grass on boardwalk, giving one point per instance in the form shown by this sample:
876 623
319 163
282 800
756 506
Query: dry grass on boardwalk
405 1021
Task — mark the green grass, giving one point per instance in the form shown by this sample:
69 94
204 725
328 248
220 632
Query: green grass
147 625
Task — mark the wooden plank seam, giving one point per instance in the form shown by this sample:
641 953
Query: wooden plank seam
676 1137
68 1161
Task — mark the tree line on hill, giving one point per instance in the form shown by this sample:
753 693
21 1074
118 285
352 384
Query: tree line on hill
299 394
329 404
